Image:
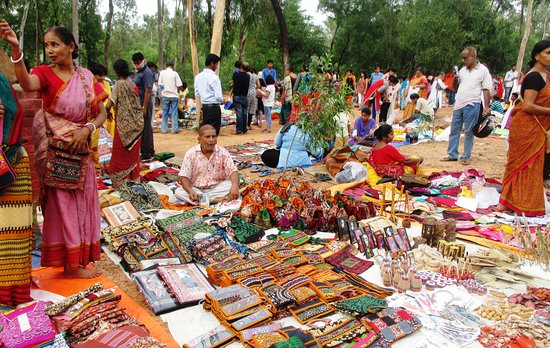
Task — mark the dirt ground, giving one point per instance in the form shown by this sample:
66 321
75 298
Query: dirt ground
488 154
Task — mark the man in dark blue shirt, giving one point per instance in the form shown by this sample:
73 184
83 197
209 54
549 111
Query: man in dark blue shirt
241 80
270 70
144 80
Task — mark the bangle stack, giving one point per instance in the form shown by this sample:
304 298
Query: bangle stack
14 61
90 126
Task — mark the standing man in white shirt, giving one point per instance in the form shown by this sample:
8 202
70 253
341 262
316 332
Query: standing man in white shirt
169 83
509 79
208 88
474 80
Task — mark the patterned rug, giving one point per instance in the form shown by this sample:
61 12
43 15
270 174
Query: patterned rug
249 152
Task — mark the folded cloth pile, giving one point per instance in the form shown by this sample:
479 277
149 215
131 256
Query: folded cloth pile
27 326
80 315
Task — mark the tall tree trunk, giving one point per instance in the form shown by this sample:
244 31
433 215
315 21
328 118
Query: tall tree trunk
217 30
521 54
521 14
108 33
183 31
242 39
75 25
23 22
283 30
228 21
209 16
192 38
193 46
160 13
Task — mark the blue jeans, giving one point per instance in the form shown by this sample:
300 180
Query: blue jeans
467 117
169 109
452 96
507 92
267 110
240 103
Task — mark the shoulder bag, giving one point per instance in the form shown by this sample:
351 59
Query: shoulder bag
66 170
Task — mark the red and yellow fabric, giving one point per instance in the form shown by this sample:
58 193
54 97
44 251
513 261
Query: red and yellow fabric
523 188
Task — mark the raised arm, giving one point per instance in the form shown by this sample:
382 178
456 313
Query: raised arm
26 81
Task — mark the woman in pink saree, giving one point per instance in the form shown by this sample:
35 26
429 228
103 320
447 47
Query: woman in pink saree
72 110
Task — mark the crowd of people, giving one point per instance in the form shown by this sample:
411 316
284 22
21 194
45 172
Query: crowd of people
77 102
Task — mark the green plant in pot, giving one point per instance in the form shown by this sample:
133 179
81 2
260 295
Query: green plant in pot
317 117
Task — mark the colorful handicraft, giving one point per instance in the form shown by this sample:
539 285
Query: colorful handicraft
392 323
349 262
361 305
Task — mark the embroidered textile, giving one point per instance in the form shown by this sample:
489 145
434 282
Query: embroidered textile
186 282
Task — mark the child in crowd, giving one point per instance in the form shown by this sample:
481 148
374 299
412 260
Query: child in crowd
268 100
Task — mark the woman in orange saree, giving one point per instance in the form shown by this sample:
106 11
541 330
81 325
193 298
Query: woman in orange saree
523 190
420 82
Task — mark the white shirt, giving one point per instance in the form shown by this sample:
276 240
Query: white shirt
343 122
170 81
509 78
270 99
424 107
472 83
208 87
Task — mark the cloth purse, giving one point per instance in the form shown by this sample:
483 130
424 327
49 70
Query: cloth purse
392 323
338 332
65 170
546 133
361 305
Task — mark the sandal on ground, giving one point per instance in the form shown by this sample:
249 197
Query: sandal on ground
448 159
323 177
244 165
465 162
256 168
266 172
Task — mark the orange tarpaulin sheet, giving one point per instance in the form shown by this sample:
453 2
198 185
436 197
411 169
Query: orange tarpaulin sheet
52 280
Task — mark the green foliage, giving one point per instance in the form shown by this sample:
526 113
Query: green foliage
427 33
318 118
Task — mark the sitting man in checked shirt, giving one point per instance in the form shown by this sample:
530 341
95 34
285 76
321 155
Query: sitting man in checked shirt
208 169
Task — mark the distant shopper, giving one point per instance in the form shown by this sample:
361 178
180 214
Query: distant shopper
144 80
124 163
474 80
270 70
511 77
169 83
241 83
208 88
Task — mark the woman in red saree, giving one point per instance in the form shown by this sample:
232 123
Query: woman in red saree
523 190
386 160
129 124
72 110
419 83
